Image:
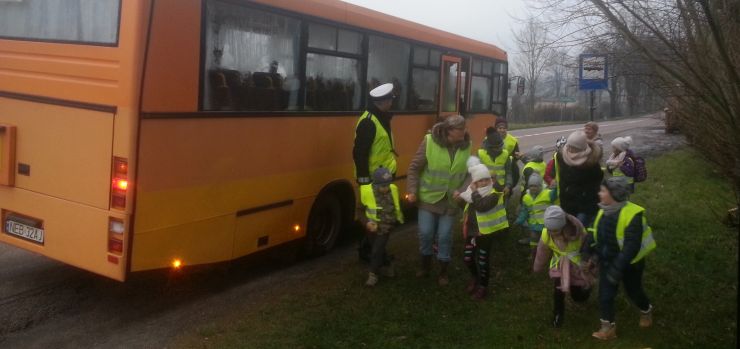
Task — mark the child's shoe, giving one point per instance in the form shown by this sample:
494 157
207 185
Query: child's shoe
372 279
646 317
607 331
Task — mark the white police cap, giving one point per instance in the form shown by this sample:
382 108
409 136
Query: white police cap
381 92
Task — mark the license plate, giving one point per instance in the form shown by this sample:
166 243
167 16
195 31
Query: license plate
24 231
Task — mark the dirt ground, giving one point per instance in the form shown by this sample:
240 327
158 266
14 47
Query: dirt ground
70 308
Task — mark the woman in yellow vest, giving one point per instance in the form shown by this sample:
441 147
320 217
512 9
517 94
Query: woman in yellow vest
560 244
485 216
382 212
436 176
621 238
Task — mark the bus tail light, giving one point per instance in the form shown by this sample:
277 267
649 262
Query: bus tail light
120 184
116 228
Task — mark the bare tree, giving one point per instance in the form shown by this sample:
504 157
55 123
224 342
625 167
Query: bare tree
685 51
534 55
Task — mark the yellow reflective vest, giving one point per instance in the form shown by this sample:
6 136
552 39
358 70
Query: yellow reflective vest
381 151
442 175
495 166
367 197
493 220
572 250
626 214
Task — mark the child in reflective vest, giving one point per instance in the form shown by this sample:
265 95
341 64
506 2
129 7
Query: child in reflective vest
532 210
382 212
484 217
560 245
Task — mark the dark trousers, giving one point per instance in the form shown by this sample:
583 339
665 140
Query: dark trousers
481 269
577 293
632 280
377 253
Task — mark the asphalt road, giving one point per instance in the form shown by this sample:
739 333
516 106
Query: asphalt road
45 304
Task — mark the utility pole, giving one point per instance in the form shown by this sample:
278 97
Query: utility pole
591 118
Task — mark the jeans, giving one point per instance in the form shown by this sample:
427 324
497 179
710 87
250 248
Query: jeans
431 224
632 279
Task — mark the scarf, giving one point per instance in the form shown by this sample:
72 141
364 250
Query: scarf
613 208
615 160
575 159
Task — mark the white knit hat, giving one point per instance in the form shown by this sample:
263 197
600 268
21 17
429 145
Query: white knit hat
622 143
478 172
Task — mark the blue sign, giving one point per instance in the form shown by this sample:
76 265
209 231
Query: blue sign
592 72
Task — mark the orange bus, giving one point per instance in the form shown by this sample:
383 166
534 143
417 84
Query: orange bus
147 134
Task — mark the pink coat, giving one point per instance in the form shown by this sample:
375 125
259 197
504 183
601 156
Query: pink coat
568 272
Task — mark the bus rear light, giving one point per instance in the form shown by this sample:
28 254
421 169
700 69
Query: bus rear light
115 245
113 259
116 226
120 183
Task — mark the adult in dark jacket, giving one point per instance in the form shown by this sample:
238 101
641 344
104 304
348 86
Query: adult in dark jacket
619 261
374 147
578 176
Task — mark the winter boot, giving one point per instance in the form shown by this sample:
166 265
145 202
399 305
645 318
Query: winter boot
426 265
646 317
372 279
607 331
443 279
480 293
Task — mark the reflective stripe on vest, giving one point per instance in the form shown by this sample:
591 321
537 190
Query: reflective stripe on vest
367 197
381 151
537 206
626 214
493 220
495 166
572 250
442 175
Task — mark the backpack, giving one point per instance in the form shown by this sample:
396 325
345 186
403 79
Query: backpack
640 174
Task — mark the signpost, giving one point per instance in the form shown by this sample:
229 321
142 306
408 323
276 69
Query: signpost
592 75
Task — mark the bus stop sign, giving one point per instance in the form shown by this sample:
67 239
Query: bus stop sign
592 72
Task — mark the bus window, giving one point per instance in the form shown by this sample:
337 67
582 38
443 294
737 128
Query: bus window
388 60
251 59
78 21
333 69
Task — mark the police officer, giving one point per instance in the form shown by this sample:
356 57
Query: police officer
373 137
374 144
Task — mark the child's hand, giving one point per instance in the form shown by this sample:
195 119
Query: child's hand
371 226
473 186
456 194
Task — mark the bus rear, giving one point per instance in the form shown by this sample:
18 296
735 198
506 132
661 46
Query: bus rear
69 81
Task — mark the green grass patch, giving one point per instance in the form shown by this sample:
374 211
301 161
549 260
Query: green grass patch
691 279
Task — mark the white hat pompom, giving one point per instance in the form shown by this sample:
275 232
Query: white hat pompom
472 161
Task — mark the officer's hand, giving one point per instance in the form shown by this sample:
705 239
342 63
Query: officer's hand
371 226
411 198
507 191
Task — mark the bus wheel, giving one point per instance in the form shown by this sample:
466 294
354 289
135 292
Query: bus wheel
324 225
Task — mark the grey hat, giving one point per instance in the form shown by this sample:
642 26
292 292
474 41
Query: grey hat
535 179
618 188
554 218
382 176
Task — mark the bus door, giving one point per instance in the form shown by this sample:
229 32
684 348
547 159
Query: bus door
450 84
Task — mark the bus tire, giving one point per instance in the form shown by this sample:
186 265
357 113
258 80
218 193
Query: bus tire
324 225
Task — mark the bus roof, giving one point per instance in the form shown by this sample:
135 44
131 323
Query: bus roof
349 14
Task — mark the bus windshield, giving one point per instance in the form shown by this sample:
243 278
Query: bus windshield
72 21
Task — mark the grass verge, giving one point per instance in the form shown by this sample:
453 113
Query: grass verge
691 279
